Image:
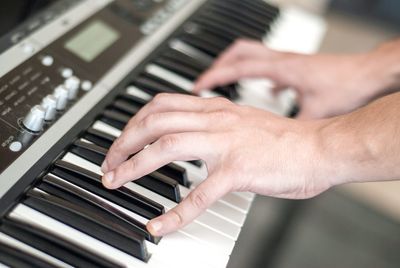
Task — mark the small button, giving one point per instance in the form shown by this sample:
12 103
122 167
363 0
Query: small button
86 85
47 60
28 48
15 146
67 72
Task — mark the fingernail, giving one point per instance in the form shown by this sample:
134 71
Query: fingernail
155 227
104 167
109 177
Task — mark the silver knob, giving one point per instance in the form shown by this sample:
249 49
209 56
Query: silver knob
61 94
34 121
49 103
72 84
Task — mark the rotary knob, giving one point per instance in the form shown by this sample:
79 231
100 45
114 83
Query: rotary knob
34 121
72 84
61 94
49 103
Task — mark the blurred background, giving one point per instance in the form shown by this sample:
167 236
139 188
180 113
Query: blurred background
355 225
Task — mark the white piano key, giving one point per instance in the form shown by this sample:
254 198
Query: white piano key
137 92
220 208
191 51
27 215
14 243
169 76
3 265
201 230
179 248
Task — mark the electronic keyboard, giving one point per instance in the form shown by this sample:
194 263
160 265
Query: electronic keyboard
70 79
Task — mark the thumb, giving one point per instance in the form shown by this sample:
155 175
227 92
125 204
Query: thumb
191 207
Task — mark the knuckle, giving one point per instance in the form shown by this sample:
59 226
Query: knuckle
117 145
221 101
160 99
177 217
169 142
198 199
225 115
149 121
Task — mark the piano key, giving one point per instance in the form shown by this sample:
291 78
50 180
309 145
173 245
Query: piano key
172 78
59 249
154 181
192 52
78 218
185 247
177 67
115 118
99 137
237 14
225 23
92 182
195 174
36 219
154 85
177 173
26 253
204 45
131 98
134 91
262 9
179 57
125 106
193 30
233 217
104 213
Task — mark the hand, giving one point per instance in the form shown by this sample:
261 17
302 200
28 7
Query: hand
327 85
245 149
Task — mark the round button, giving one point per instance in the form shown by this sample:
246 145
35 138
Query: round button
67 72
15 146
47 60
28 48
86 85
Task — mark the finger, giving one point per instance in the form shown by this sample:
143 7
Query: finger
135 137
243 49
166 102
245 69
202 197
183 146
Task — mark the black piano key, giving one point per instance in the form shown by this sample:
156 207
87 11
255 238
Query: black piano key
184 59
241 10
14 257
126 106
196 163
203 45
122 196
261 9
218 33
161 184
177 173
76 217
178 68
54 246
115 118
156 182
99 137
171 170
218 29
240 16
154 85
133 99
119 221
228 91
89 151
244 30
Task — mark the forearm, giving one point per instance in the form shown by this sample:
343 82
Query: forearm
384 64
363 145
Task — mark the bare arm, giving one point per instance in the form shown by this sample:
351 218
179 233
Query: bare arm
247 149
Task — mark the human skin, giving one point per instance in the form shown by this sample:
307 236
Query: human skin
247 149
327 84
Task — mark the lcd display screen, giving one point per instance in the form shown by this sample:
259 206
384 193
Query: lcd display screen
92 40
